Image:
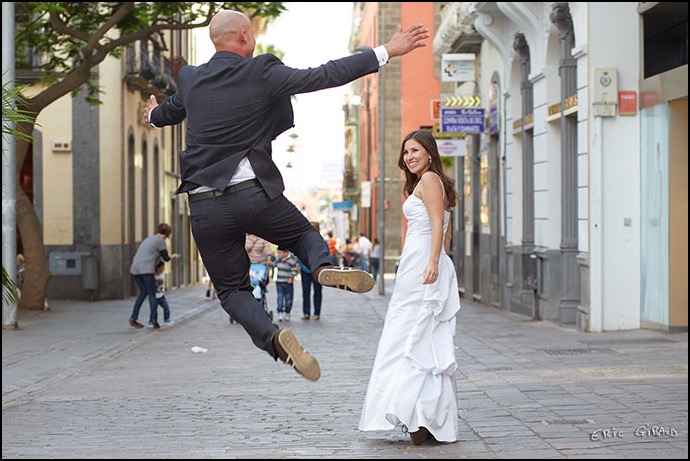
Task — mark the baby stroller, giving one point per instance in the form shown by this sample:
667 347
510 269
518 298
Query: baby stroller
258 274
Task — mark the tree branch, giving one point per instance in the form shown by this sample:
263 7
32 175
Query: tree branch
62 28
115 19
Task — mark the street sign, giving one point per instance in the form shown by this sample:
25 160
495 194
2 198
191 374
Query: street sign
452 100
452 147
462 120
365 197
457 67
436 131
345 205
435 107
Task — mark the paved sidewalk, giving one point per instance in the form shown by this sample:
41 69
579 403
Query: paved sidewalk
78 382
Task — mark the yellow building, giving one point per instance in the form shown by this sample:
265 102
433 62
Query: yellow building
101 180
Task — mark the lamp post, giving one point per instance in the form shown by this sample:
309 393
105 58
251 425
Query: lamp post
9 178
382 174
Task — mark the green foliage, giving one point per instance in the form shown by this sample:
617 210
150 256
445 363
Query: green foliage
448 162
10 290
11 95
76 36
263 49
11 115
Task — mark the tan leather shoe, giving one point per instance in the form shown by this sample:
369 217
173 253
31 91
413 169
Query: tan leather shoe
345 278
290 352
135 324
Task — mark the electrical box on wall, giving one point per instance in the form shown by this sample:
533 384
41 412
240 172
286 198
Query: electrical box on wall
605 91
62 146
65 263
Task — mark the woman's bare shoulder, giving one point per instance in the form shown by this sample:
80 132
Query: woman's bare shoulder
429 176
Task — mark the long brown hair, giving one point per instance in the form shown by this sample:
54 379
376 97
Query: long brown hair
428 142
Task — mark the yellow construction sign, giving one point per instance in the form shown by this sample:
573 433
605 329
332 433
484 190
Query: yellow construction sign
461 101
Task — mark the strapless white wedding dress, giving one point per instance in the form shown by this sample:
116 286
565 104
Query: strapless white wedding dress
413 380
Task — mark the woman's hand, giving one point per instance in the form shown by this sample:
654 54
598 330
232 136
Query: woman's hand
430 273
175 256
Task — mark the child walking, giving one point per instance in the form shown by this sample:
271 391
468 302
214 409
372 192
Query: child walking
160 295
286 269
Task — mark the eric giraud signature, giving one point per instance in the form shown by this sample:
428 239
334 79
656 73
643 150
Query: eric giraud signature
645 430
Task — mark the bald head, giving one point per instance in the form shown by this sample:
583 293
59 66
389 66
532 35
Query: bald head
232 31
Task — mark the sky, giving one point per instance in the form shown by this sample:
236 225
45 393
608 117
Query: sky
309 36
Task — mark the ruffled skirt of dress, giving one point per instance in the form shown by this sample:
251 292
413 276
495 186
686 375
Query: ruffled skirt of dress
413 379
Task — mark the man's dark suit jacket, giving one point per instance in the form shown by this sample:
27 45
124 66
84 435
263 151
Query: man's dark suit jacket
236 106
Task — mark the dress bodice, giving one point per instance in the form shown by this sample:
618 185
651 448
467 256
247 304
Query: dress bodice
418 221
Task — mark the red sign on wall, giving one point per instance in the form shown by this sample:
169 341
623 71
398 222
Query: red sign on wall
627 102
435 109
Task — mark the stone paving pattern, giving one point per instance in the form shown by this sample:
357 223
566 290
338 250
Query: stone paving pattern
78 382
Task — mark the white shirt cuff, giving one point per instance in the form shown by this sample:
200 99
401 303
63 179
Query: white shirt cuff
381 55
149 120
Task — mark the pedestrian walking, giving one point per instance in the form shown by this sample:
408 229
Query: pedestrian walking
412 382
21 270
160 294
235 105
210 291
365 251
375 258
258 250
332 244
286 270
309 283
143 269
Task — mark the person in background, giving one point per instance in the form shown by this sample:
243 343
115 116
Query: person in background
365 251
356 252
258 249
21 270
160 293
413 380
332 244
210 291
375 258
286 267
309 282
143 268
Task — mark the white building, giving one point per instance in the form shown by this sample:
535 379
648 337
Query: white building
574 204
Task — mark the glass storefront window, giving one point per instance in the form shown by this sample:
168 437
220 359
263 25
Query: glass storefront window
655 215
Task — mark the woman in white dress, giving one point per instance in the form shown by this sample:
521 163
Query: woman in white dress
412 382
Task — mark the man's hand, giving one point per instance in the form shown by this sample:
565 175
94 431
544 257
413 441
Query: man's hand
402 42
153 103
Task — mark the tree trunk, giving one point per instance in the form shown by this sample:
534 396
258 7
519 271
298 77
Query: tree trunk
37 273
29 229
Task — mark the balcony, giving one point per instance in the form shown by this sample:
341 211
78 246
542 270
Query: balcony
150 73
456 33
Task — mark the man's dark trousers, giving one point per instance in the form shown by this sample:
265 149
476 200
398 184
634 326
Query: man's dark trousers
220 225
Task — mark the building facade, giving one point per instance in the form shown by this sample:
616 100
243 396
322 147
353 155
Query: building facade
389 104
101 180
574 202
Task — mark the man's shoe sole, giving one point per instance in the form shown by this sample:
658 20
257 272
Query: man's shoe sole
301 360
355 280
